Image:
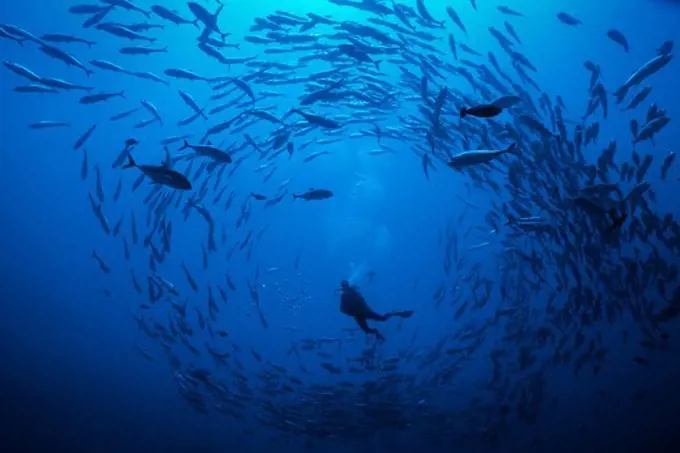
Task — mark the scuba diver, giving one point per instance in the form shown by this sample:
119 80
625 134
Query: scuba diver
353 304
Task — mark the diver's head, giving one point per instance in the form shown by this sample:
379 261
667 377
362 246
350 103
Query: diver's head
344 285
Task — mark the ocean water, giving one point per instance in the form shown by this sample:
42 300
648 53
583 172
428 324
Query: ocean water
549 335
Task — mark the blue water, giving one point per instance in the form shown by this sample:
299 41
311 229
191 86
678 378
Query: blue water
72 378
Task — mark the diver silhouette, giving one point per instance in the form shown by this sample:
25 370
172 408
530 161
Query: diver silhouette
353 304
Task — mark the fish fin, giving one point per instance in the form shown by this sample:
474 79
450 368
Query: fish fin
131 162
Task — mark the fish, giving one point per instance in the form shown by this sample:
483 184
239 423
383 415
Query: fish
618 38
314 194
667 163
208 20
456 19
208 151
142 50
509 11
122 32
568 19
171 16
161 174
47 124
34 88
315 155
651 67
66 57
476 157
125 4
66 39
83 138
317 120
358 54
23 71
481 111
100 97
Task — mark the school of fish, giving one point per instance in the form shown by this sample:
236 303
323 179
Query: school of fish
587 261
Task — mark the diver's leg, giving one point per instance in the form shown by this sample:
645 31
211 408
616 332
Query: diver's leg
362 324
401 314
377 317
373 316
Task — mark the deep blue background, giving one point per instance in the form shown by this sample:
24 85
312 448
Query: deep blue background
71 379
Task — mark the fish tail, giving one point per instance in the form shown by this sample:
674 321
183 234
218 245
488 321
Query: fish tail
131 162
185 146
512 149
195 23
377 64
122 94
89 72
463 112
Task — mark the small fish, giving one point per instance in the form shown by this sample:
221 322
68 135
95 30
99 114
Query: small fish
318 120
100 97
66 39
34 88
23 71
509 12
84 167
568 19
618 38
141 50
102 265
511 31
315 155
48 124
66 57
314 194
122 115
6 35
83 138
667 163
